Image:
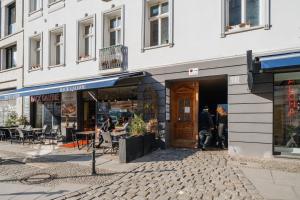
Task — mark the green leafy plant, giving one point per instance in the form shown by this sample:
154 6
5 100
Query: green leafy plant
12 119
137 126
22 120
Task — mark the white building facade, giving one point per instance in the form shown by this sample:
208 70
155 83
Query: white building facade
192 54
11 54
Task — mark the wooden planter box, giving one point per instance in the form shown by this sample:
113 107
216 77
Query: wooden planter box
135 147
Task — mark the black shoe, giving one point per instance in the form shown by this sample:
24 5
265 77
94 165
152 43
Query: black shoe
203 149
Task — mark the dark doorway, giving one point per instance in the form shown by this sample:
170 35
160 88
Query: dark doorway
213 91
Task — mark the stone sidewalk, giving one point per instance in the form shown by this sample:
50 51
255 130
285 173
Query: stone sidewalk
169 174
177 174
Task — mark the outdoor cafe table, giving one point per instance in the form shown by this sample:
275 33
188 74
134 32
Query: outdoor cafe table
86 134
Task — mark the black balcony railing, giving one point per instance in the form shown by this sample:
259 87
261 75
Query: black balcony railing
113 57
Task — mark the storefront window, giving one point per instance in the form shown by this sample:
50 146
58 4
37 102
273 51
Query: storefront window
6 107
287 113
47 110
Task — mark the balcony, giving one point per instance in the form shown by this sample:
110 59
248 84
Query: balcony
113 58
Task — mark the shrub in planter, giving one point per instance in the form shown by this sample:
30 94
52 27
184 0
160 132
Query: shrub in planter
138 144
12 119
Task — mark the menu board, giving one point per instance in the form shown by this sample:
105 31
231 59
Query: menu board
69 104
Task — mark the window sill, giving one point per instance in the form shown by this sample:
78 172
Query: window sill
243 29
54 66
86 60
35 15
56 6
158 46
35 69
10 69
10 35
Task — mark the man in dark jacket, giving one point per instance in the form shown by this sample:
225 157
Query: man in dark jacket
206 125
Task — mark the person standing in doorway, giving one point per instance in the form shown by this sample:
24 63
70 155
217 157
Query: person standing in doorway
222 125
206 126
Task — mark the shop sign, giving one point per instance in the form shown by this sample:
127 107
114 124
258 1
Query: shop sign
69 104
193 72
72 88
45 98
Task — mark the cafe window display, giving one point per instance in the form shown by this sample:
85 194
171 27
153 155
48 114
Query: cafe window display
287 113
47 110
6 108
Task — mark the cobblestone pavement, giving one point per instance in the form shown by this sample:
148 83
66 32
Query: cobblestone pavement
176 174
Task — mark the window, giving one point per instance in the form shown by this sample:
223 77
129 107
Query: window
243 14
35 52
115 31
286 126
11 14
57 50
159 24
34 5
86 40
11 57
113 27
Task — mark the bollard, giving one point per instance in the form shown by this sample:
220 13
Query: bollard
93 156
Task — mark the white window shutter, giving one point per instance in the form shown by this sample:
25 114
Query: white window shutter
267 15
223 17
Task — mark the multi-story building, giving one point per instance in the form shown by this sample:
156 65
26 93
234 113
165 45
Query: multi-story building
167 59
11 57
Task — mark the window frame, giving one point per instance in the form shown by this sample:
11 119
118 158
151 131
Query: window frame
7 49
264 18
115 30
146 4
38 8
10 19
81 36
159 17
31 66
53 45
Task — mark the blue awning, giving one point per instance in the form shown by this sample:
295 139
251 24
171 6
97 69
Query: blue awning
8 95
281 61
61 87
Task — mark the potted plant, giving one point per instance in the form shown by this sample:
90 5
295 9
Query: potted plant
138 144
12 119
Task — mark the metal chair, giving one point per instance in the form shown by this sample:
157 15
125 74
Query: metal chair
108 143
39 134
74 138
52 134
2 135
13 135
25 135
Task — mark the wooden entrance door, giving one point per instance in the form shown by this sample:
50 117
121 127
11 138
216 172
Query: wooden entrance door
184 111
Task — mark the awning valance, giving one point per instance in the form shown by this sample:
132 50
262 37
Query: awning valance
281 61
8 95
68 86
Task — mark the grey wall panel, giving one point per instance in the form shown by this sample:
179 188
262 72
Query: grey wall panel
251 118
250 149
250 98
251 127
250 137
244 89
251 108
221 63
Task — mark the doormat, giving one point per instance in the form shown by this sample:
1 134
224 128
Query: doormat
74 144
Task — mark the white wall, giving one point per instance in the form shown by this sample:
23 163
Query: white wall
12 78
197 35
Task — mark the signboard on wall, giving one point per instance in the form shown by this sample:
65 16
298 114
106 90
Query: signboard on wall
45 98
69 104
